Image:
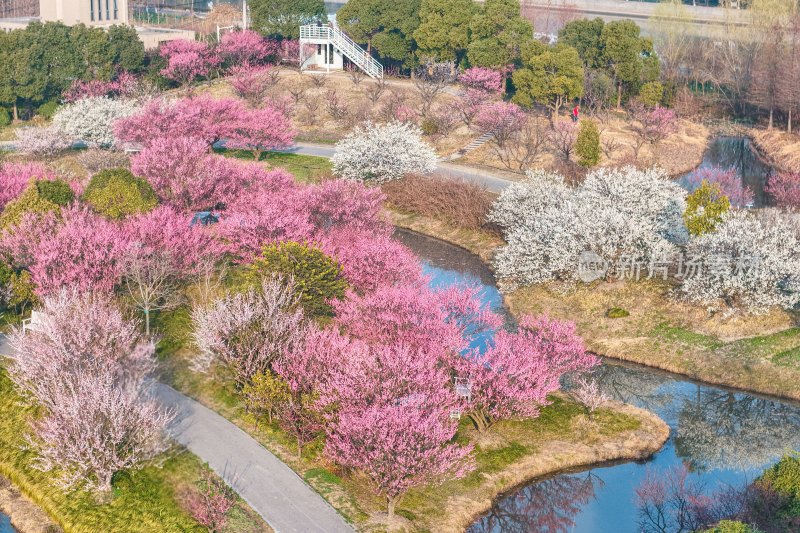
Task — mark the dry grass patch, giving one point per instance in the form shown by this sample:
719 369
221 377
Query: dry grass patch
780 148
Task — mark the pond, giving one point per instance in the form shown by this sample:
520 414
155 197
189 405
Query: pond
723 437
738 153
5 524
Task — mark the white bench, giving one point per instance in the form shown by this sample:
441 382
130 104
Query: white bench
34 323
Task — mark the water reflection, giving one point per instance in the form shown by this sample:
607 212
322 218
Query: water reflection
723 438
5 524
549 506
739 154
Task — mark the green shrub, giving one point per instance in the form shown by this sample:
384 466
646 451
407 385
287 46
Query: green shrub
705 208
617 312
587 146
651 94
116 193
5 117
57 191
730 526
28 202
317 277
429 127
784 477
47 109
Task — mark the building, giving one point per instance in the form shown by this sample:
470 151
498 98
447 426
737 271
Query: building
327 47
18 14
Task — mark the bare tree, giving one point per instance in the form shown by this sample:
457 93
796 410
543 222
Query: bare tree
375 90
609 145
524 147
151 281
298 92
318 80
355 74
562 138
336 109
431 79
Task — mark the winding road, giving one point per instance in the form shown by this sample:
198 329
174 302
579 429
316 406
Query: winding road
266 483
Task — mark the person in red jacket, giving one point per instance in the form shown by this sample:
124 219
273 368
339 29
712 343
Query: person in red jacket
575 112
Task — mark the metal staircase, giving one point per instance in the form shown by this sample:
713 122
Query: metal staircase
347 46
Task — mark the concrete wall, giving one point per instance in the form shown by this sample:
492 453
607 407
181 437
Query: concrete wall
89 12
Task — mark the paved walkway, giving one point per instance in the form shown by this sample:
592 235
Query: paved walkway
270 487
492 181
267 484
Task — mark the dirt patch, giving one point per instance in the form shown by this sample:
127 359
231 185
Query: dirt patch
781 149
25 516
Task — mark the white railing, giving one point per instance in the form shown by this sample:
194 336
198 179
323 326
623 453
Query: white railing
346 45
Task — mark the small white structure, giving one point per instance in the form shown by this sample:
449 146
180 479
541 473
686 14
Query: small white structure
327 46
35 322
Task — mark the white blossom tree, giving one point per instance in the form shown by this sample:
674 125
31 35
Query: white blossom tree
383 152
246 332
750 262
91 119
619 214
42 142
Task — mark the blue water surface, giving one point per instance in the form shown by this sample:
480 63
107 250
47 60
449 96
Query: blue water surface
724 438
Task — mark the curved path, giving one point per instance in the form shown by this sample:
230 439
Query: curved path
267 484
492 181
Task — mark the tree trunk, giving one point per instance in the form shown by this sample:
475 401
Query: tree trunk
770 119
619 95
16 112
392 504
257 155
789 122
299 449
147 321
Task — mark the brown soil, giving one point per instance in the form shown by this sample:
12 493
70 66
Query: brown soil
781 149
25 516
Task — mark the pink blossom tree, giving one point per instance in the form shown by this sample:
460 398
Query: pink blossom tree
211 504
398 447
370 261
187 60
202 117
654 125
444 321
588 393
513 377
503 119
124 85
261 129
85 252
469 103
732 185
246 332
784 187
246 47
342 203
86 366
185 175
483 79
14 177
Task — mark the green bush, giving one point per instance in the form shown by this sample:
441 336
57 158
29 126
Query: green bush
429 127
651 94
5 117
116 193
47 109
705 208
317 277
28 202
729 526
617 312
784 477
57 191
587 146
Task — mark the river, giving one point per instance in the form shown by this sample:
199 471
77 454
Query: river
723 437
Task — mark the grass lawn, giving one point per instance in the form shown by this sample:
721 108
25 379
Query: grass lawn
143 501
505 455
305 168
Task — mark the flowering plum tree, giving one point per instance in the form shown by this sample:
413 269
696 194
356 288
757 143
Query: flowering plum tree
615 214
732 186
187 60
588 392
784 187
211 504
125 86
201 117
91 120
14 177
261 129
469 104
502 119
246 47
654 125
398 447
513 377
86 367
85 252
246 332
340 203
42 142
379 153
742 273
483 79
